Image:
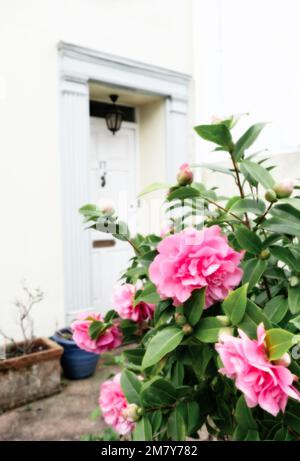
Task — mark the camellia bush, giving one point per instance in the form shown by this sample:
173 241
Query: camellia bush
212 308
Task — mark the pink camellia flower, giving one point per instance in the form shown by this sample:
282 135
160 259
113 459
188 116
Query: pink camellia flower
264 383
122 302
193 259
185 175
114 406
109 339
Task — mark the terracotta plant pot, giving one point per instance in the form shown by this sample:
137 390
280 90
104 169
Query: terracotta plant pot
26 378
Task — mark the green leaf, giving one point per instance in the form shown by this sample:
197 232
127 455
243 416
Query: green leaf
242 434
218 134
244 416
155 418
153 187
253 270
253 317
278 342
160 308
294 299
162 343
285 255
175 426
293 421
282 226
214 167
96 329
247 205
134 356
200 357
131 386
207 330
259 173
158 392
148 295
182 193
252 435
286 211
190 413
283 435
234 304
295 321
143 430
193 307
90 211
247 139
276 308
248 240
177 374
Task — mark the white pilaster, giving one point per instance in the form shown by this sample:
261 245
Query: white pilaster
177 136
75 190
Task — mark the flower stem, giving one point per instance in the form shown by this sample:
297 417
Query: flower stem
239 184
212 202
263 216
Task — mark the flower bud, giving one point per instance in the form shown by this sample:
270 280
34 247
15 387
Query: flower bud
271 196
293 281
223 332
185 175
131 413
180 319
187 329
265 254
285 360
284 188
166 230
140 411
106 208
216 120
224 320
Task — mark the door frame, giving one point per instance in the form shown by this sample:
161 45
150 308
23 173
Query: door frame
78 66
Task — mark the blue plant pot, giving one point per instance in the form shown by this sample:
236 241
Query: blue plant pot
76 363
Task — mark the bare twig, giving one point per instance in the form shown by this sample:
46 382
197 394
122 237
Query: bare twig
25 322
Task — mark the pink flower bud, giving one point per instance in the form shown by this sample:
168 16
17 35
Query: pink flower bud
285 360
216 120
224 320
106 207
224 333
185 175
130 413
284 188
166 230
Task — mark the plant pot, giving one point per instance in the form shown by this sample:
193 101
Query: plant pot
76 363
30 377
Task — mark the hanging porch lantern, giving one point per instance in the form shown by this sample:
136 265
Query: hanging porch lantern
114 116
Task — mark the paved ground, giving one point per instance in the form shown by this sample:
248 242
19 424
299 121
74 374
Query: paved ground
65 416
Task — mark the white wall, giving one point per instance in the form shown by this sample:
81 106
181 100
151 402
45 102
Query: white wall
157 32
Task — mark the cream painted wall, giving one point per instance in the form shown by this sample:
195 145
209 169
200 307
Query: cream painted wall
157 32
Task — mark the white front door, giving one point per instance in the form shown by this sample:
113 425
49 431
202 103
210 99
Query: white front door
112 178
